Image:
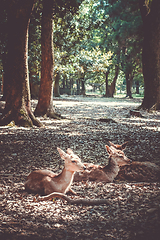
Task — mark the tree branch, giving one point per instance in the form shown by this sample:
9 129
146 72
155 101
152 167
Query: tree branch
72 201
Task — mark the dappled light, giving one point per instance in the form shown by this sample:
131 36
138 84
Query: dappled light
131 204
80 120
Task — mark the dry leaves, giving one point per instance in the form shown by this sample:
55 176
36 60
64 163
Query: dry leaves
134 210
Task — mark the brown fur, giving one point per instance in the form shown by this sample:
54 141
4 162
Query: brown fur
103 174
119 168
46 182
140 172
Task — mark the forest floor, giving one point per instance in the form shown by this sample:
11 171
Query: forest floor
134 209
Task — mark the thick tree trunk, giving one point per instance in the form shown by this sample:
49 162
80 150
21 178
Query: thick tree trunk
56 84
4 80
151 54
45 100
18 107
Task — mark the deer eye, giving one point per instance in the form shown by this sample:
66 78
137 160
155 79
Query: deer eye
73 161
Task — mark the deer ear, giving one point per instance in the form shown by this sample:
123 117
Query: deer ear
108 149
62 153
123 146
69 151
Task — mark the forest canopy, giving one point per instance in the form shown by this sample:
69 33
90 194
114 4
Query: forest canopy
105 46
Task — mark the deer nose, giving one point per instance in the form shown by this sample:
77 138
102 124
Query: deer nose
84 167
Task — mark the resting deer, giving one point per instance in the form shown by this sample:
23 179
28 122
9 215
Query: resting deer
108 173
46 182
138 171
123 170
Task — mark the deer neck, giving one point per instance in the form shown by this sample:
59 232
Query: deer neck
66 179
112 168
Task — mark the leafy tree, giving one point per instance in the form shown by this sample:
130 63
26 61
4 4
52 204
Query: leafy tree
150 11
18 107
118 28
34 44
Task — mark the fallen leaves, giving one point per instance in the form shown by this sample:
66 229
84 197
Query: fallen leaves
134 210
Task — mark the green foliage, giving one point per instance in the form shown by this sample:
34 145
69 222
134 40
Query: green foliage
113 28
91 37
34 52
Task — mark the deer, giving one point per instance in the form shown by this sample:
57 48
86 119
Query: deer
119 168
107 173
138 171
45 182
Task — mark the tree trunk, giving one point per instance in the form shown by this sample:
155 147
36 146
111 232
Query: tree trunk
151 54
4 81
56 84
18 107
113 84
128 85
83 91
137 87
106 81
45 100
111 89
78 87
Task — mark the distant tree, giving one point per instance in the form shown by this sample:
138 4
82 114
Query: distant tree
110 89
150 11
34 44
56 84
118 28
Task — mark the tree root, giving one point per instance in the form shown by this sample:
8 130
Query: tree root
136 113
35 121
72 201
54 115
49 113
150 108
20 117
6 119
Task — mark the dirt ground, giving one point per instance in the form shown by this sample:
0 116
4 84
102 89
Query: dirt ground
133 211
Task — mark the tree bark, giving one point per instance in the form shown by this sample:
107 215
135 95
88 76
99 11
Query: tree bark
128 85
83 90
45 100
4 81
78 86
137 87
151 54
56 84
111 89
113 84
18 106
106 81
